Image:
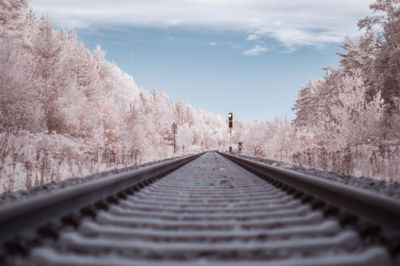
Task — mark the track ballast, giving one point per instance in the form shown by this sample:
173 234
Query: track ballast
208 212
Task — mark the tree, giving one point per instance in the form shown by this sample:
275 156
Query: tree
384 78
12 18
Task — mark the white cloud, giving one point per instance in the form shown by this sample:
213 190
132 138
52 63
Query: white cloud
213 43
292 22
253 37
256 50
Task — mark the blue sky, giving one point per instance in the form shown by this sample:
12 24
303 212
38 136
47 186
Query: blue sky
240 56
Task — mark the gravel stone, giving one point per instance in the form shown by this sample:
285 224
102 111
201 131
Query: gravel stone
8 197
388 188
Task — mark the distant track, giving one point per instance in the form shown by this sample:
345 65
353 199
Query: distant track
203 210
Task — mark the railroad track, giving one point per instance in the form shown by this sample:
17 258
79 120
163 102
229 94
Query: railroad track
203 210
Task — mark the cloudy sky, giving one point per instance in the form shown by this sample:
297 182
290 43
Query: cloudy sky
249 57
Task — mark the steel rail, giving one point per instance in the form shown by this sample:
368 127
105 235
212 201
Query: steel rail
190 217
376 208
23 218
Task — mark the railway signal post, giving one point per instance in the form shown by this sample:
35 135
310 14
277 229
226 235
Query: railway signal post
230 123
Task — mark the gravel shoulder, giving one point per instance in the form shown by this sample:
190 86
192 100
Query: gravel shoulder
388 188
8 197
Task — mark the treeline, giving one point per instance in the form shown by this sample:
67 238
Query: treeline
66 111
349 120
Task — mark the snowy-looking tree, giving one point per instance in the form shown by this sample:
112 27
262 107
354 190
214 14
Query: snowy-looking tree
69 107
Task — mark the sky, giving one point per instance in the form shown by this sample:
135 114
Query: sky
249 57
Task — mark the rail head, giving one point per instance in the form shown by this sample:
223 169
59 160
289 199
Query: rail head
377 208
25 216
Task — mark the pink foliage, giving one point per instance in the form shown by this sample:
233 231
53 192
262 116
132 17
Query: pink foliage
53 88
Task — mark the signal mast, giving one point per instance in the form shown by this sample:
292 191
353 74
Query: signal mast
230 117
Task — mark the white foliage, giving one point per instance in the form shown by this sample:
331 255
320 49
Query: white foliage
66 111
